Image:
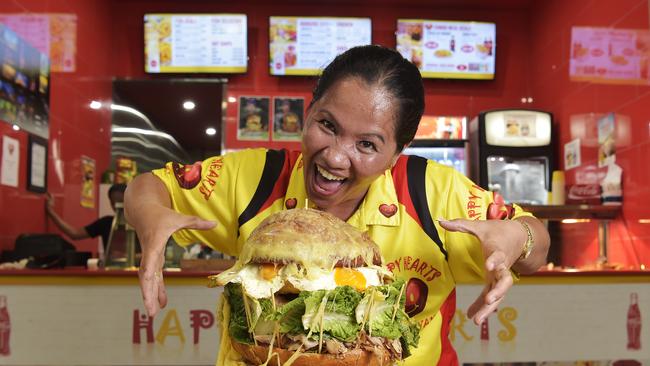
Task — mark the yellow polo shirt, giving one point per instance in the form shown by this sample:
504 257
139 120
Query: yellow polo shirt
239 190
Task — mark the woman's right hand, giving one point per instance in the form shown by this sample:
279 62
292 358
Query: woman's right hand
148 209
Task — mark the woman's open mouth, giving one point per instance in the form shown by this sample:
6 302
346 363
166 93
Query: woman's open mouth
326 183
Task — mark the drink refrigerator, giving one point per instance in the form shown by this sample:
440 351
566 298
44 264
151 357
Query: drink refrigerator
442 139
512 153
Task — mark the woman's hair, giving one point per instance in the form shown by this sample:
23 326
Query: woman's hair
385 68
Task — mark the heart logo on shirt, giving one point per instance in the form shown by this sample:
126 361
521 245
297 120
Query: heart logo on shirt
290 203
388 210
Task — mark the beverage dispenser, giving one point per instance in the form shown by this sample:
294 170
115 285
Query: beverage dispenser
512 153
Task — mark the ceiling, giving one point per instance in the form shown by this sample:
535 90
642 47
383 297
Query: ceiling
162 102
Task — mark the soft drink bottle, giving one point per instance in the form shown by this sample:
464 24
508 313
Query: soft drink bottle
5 327
634 323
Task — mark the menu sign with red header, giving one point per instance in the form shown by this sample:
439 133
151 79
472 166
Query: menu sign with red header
610 55
448 49
214 43
305 45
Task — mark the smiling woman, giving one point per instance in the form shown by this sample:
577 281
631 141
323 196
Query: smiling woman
365 108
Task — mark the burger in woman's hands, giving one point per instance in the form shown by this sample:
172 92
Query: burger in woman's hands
309 288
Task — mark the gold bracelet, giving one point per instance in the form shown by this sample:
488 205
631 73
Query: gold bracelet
529 244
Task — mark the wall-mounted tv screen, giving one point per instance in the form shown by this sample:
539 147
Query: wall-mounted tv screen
448 49
305 45
190 43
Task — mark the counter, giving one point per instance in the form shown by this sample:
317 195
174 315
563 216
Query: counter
75 316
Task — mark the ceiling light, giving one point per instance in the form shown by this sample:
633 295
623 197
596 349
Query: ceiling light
210 131
189 105
575 221
232 99
16 128
95 104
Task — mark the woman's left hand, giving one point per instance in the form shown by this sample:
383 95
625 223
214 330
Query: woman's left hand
502 242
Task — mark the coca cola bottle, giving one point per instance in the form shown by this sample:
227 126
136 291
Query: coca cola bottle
5 327
634 323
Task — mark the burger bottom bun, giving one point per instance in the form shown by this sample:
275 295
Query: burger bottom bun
257 355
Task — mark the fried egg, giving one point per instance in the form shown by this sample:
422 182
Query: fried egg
262 280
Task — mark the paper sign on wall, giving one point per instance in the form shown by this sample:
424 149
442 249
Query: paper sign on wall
10 161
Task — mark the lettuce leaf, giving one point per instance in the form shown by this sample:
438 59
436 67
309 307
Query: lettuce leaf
238 327
334 310
290 315
381 312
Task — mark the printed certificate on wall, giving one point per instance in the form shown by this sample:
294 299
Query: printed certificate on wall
448 49
195 43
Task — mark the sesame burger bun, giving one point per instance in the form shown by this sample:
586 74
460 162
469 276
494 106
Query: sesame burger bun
310 238
357 357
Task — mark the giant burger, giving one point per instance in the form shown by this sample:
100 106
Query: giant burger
309 289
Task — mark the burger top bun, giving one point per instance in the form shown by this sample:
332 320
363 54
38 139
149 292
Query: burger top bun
258 355
311 238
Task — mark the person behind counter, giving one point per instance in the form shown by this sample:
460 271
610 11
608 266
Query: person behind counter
366 108
100 227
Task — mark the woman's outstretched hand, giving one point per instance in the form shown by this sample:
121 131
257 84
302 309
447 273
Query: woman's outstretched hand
502 242
147 208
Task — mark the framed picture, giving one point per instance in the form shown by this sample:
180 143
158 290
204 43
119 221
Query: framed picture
288 118
253 118
37 164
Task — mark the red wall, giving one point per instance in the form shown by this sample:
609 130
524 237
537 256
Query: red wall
75 130
442 97
110 43
552 89
533 45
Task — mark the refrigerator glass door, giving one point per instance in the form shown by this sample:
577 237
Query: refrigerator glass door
519 180
455 157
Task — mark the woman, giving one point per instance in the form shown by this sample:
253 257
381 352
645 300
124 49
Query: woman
365 109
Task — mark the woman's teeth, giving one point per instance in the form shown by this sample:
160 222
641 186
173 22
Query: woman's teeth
327 175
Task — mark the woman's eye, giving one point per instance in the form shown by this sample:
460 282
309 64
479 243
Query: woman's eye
328 125
367 146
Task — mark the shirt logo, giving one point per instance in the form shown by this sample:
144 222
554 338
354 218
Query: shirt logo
290 203
388 210
210 180
187 176
416 296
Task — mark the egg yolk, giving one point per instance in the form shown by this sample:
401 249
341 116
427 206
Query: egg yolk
269 270
350 277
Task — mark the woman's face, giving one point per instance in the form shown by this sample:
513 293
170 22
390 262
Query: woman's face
348 141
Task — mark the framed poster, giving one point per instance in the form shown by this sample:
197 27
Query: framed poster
37 164
253 118
288 114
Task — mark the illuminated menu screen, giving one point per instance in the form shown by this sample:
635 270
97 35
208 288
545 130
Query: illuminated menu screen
610 55
52 34
448 49
305 45
213 43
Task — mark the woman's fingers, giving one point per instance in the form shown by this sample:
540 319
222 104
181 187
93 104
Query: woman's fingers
478 303
194 222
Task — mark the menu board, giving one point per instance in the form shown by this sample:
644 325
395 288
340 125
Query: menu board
610 55
214 43
52 34
24 84
448 49
305 45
